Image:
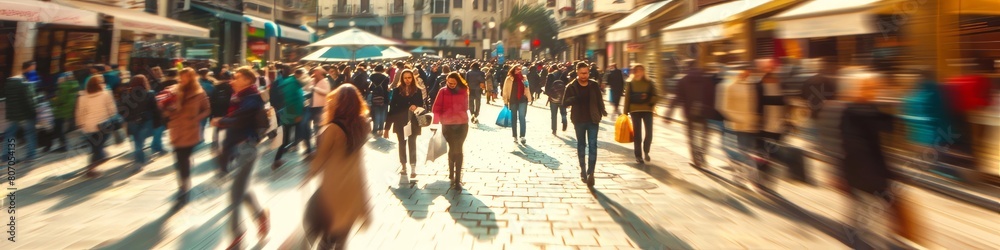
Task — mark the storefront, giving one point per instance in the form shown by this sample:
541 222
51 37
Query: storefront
631 40
21 30
837 30
267 40
292 42
226 27
582 39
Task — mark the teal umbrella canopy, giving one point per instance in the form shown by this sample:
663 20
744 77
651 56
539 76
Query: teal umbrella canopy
421 49
340 54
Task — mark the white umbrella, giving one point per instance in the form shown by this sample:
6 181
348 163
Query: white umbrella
353 37
446 35
393 53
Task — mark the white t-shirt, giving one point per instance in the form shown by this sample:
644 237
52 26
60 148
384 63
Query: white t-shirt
320 90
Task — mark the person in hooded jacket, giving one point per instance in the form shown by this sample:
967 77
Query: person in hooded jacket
94 107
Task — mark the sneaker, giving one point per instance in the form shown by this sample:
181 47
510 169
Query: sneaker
523 141
639 160
515 141
413 170
647 157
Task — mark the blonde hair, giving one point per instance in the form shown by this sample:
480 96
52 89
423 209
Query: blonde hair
645 77
186 89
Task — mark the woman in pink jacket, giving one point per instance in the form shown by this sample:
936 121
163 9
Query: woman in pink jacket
451 111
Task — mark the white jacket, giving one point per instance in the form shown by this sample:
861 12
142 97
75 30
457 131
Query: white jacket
320 90
92 109
737 100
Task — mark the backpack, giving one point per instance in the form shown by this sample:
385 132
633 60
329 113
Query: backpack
557 91
379 93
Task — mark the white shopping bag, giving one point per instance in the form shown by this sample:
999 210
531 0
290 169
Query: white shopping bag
437 147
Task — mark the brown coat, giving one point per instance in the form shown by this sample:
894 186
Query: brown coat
185 121
342 192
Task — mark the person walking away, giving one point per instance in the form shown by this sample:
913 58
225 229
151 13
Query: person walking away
435 86
554 89
535 82
143 115
360 79
640 99
516 96
208 85
219 99
239 147
451 112
925 112
63 105
616 80
695 96
94 107
380 99
477 82
290 117
341 200
185 114
490 82
583 97
319 87
170 79
21 115
113 78
406 98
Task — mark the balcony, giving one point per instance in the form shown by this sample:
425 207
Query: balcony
348 10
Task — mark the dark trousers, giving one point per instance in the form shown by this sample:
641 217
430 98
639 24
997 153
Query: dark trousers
183 165
475 100
556 110
616 97
59 129
642 141
289 142
697 133
455 136
316 117
405 142
244 154
96 141
586 145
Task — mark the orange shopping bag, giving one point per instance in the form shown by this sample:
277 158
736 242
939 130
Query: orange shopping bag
623 129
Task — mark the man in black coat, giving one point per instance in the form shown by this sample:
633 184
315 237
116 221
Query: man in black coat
616 80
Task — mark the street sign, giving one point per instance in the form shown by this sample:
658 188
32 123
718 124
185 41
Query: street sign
259 48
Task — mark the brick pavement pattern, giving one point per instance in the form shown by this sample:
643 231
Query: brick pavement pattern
514 197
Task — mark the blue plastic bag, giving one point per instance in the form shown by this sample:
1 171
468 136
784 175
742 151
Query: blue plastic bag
503 119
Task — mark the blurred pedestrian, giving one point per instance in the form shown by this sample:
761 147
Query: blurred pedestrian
640 99
583 96
94 107
616 80
142 116
290 117
380 99
555 87
451 111
342 198
185 114
694 95
63 105
477 82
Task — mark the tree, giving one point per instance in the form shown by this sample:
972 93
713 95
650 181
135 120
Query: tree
540 25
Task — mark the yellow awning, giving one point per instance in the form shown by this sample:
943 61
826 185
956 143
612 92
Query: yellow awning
707 24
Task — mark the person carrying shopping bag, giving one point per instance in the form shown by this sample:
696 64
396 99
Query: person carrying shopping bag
406 97
517 95
451 111
185 114
640 98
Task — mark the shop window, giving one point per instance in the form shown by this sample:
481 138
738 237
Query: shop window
458 4
397 31
437 28
456 27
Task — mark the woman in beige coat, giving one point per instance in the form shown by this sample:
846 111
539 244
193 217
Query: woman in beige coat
341 199
185 116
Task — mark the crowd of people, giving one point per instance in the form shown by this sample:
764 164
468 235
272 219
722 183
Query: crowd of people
334 109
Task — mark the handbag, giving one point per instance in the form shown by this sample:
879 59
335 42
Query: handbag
503 120
623 129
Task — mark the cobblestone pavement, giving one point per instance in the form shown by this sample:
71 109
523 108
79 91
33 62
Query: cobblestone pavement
514 197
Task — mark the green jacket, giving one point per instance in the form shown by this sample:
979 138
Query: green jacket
634 91
20 99
65 99
294 99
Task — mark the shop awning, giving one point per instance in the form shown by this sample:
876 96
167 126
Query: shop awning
294 34
270 28
823 18
580 29
221 14
397 19
45 12
359 22
707 24
621 31
440 20
135 20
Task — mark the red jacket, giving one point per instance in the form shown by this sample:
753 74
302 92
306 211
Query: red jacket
451 108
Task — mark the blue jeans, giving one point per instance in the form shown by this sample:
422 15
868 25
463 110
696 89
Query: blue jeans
140 131
316 117
586 140
157 146
29 133
201 130
557 109
96 141
379 114
517 112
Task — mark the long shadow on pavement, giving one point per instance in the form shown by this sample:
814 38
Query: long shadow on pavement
713 195
207 235
642 233
532 155
146 237
466 210
415 200
73 188
382 145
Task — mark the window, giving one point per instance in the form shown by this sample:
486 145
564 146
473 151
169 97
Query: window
458 4
397 31
439 7
494 5
264 9
551 3
366 6
475 4
456 27
437 28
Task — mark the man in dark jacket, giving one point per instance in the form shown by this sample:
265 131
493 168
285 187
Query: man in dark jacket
219 100
360 79
696 95
583 96
534 81
616 80
21 114
477 81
